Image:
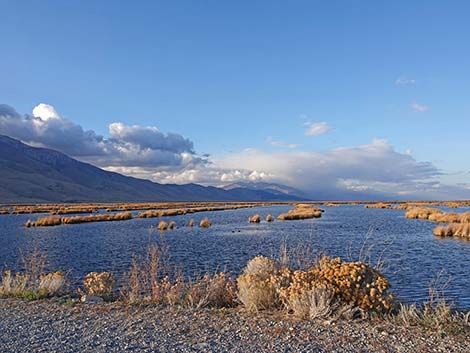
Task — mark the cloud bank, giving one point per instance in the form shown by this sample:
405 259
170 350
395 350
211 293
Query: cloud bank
373 170
135 146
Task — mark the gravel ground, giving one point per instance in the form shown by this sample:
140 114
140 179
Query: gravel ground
48 326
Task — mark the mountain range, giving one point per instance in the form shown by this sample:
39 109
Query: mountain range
32 174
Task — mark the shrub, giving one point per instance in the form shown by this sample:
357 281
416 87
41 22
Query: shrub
100 284
172 225
52 283
354 283
191 222
255 219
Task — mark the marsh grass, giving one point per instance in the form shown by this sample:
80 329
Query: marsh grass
33 282
55 221
301 211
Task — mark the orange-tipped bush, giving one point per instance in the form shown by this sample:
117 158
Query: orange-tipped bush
205 223
255 219
100 284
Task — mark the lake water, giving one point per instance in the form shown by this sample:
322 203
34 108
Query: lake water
414 256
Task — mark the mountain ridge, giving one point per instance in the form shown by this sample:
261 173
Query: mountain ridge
36 174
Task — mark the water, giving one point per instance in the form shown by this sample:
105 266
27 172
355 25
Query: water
414 256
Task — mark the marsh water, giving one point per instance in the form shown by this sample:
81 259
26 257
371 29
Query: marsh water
414 257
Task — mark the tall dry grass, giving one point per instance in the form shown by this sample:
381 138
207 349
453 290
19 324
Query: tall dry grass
458 230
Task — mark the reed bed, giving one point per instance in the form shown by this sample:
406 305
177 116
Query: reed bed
458 230
55 221
421 212
379 205
301 211
4 211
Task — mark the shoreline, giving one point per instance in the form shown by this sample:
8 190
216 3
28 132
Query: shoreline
54 325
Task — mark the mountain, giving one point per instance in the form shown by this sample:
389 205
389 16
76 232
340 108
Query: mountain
276 189
31 174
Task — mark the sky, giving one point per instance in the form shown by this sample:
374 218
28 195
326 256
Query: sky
341 99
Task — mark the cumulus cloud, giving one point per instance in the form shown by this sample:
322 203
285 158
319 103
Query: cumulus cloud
420 108
316 129
130 146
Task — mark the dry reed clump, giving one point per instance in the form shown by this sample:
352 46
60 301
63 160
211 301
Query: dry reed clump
301 211
421 212
55 221
4 211
191 222
380 205
100 284
255 219
459 230
172 225
450 217
205 223
149 281
269 218
52 283
162 225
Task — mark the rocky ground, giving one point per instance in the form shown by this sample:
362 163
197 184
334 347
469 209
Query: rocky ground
48 326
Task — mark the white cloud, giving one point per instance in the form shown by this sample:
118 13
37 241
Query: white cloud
282 144
403 81
128 146
316 129
420 108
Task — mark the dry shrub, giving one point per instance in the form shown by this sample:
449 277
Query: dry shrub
301 211
269 218
191 222
53 283
255 219
310 302
100 284
162 225
421 212
354 283
459 230
258 285
172 225
205 223
218 291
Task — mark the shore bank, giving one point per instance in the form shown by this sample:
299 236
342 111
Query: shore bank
57 326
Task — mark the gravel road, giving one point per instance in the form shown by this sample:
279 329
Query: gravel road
48 326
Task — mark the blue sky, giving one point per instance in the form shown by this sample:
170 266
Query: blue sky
230 76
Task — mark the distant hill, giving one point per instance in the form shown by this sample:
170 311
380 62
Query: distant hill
276 189
31 174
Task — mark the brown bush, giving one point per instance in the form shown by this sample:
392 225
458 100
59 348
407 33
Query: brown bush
172 225
269 218
191 222
255 219
100 284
